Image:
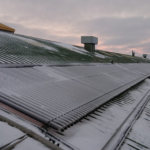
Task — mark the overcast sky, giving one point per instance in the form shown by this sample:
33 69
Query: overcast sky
120 25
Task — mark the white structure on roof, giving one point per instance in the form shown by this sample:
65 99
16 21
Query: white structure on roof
89 43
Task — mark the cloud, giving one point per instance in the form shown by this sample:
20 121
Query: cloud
121 24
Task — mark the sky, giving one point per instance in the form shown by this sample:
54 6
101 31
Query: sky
120 25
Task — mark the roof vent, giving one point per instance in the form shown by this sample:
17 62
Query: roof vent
133 53
89 43
144 55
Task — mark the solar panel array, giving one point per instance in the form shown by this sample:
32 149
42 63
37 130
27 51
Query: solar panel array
61 96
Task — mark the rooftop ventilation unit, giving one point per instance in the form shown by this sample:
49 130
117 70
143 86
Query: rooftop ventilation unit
144 55
89 43
133 53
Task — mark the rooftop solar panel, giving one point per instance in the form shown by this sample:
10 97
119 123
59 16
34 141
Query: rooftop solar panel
61 96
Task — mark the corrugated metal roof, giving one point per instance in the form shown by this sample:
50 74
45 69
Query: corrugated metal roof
61 96
68 89
19 49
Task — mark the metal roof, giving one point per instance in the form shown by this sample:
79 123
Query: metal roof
19 49
68 89
97 129
61 96
92 132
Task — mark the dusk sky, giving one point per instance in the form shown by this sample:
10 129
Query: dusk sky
122 25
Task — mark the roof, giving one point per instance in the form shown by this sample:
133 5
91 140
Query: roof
63 86
59 96
98 128
24 141
6 28
19 49
25 134
93 131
